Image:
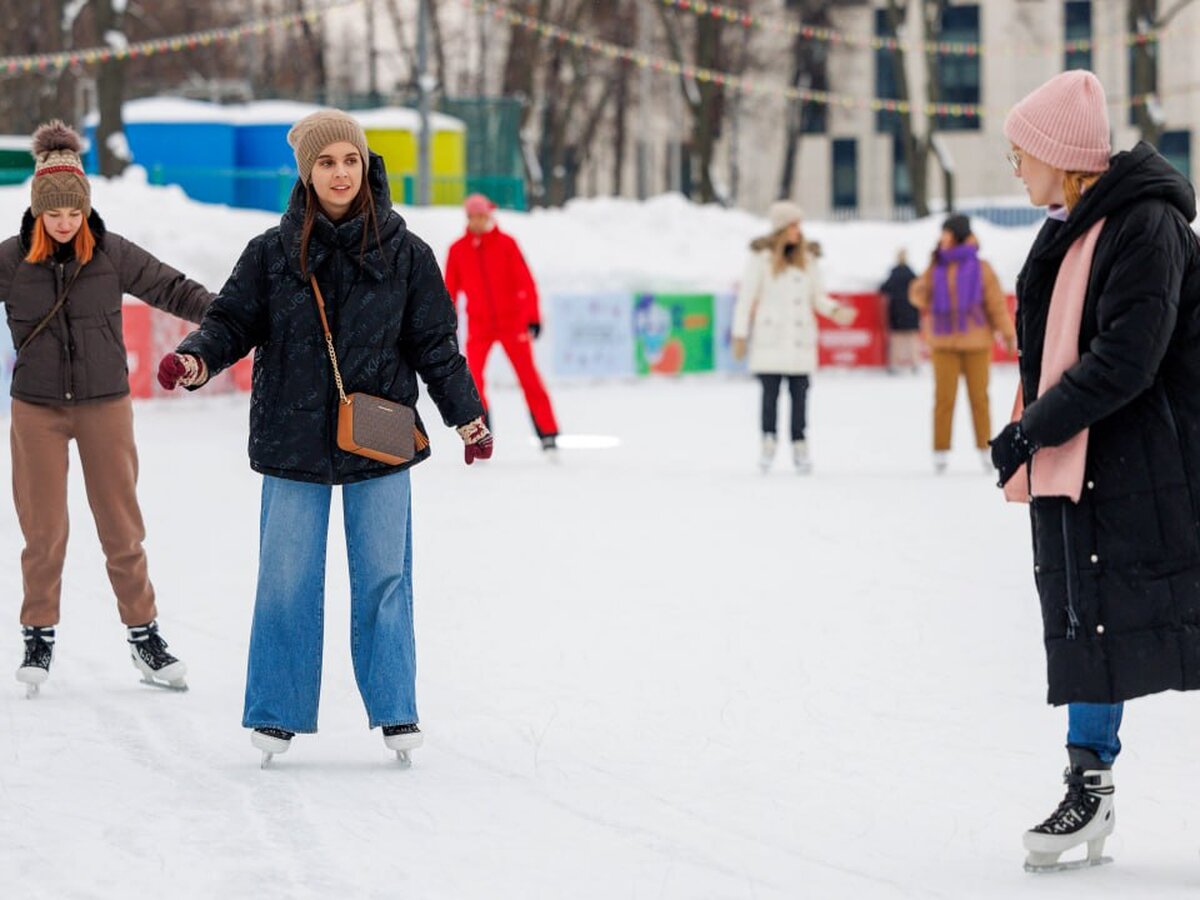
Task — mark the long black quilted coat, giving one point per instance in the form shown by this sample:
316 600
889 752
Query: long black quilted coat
1119 573
391 319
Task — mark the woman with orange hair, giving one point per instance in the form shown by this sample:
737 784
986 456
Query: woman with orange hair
61 280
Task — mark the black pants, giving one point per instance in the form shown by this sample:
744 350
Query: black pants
798 388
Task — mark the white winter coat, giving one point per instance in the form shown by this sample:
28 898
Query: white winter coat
777 313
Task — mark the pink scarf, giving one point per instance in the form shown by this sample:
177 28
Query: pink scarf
1058 471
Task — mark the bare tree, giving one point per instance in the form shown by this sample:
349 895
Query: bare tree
1143 16
809 72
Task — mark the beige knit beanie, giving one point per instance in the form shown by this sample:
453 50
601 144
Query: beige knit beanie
58 179
783 213
315 132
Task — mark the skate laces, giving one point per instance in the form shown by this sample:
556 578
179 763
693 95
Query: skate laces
39 646
393 730
150 645
280 733
1084 791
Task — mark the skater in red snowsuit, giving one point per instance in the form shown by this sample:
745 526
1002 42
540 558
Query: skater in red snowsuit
502 305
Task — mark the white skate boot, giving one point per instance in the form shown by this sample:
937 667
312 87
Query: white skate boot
403 739
149 653
1085 816
800 457
39 651
271 741
941 459
767 455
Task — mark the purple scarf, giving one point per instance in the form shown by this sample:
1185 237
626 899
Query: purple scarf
968 291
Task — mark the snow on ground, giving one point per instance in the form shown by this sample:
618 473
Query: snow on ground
647 672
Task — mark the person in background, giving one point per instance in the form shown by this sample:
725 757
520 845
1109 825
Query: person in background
62 279
1102 443
341 244
775 319
904 322
487 266
965 311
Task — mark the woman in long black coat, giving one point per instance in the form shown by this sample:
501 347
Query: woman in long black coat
1107 447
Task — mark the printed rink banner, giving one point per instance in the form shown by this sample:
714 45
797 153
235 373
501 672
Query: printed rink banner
592 335
674 333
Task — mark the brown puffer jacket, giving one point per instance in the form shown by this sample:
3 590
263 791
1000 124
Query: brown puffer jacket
80 356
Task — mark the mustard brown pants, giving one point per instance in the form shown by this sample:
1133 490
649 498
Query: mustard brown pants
948 367
103 433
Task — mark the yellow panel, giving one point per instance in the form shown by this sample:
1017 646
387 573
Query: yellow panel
398 149
449 152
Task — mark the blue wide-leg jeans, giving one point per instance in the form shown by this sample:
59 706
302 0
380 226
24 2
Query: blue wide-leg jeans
283 680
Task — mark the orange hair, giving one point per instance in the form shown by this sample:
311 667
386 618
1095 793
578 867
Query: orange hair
43 246
1075 183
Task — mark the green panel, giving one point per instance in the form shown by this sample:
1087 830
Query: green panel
673 333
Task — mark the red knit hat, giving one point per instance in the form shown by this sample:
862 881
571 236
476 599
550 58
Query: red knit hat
1064 123
478 205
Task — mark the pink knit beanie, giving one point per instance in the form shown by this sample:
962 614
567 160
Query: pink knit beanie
478 205
1064 123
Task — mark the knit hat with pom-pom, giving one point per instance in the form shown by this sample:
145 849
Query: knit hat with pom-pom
58 179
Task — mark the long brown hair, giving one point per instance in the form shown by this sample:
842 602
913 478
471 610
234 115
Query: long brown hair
42 245
363 205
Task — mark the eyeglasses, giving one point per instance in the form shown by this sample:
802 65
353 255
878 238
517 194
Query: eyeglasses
1014 160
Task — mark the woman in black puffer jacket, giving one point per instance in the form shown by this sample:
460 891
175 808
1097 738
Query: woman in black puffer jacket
1105 445
391 319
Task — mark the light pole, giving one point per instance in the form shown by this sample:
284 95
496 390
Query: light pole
425 85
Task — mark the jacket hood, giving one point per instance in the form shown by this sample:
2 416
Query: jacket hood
345 235
1134 176
25 237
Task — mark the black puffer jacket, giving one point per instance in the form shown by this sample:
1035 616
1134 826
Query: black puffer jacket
391 319
80 356
1119 573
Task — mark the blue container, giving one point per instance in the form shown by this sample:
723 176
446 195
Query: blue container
266 165
183 142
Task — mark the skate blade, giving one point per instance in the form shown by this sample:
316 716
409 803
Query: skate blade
266 759
177 685
32 690
1045 868
404 759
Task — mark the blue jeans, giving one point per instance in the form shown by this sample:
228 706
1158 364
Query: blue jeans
283 681
1095 726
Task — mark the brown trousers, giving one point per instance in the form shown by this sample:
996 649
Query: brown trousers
948 365
103 433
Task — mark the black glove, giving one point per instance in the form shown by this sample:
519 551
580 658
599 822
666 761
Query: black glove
1011 449
535 330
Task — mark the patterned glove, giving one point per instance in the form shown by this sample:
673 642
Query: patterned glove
1011 449
181 369
477 441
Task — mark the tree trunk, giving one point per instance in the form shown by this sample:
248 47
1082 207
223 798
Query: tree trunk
110 91
620 128
809 66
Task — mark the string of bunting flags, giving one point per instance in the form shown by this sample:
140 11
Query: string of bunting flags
822 34
45 62
739 83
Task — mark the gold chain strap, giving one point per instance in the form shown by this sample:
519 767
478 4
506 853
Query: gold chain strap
337 372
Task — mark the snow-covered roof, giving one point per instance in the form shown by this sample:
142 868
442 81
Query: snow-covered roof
169 109
270 112
404 119
17 142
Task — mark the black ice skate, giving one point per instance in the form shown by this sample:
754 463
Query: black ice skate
1085 816
403 739
39 651
550 446
271 741
150 657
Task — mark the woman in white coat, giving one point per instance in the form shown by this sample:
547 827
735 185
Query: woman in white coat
780 295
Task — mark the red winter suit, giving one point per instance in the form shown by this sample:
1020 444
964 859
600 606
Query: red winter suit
502 304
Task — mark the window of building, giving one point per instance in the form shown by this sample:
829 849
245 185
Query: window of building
845 173
901 183
885 76
1176 146
1077 26
959 75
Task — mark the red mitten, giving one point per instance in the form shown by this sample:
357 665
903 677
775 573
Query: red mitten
182 370
477 441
